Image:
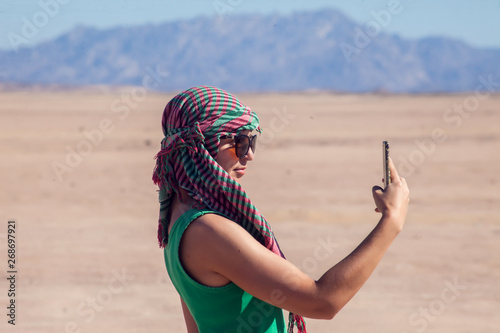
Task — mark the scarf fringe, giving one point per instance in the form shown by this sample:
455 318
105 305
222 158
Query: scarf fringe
296 320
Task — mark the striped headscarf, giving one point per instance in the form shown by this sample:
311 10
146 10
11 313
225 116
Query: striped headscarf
193 122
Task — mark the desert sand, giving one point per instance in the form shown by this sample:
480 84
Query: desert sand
76 177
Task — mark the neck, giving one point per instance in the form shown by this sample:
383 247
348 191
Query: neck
181 203
183 198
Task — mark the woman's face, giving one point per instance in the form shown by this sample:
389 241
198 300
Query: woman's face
228 160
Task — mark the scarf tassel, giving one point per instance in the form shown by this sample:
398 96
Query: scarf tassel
296 320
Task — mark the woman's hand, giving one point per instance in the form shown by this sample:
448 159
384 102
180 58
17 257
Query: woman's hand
392 201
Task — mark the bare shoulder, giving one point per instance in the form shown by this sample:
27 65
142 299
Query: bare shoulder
213 234
214 226
208 239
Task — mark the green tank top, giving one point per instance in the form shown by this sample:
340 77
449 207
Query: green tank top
218 309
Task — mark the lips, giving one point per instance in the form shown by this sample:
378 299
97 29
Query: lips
240 171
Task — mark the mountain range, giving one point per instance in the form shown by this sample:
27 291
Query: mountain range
318 50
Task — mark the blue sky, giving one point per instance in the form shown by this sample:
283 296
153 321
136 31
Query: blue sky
476 22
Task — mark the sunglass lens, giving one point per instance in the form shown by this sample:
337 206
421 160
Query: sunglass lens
242 146
254 143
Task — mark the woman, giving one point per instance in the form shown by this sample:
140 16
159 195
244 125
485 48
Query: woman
220 252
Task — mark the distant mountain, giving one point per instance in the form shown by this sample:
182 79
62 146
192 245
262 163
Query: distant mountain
321 50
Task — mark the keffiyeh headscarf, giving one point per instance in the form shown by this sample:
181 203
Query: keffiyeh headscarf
193 122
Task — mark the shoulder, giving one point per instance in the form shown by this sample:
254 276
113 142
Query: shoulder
209 243
217 243
213 228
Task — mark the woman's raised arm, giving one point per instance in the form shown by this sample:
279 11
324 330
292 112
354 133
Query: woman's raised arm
244 261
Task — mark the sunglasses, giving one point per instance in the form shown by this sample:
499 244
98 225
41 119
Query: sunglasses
242 143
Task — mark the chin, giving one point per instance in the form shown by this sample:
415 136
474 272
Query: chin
236 178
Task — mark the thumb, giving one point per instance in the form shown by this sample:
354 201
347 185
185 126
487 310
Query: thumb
377 190
377 193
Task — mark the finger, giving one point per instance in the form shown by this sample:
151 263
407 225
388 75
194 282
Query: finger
394 172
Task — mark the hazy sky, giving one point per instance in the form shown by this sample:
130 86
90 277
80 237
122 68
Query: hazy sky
476 22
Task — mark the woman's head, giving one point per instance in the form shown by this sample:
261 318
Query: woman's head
209 140
205 114
211 119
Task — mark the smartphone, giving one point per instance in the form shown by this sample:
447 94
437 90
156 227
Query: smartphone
385 159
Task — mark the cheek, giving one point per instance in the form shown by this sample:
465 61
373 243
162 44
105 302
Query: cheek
227 158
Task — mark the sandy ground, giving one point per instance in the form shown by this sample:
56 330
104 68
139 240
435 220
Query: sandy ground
76 178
